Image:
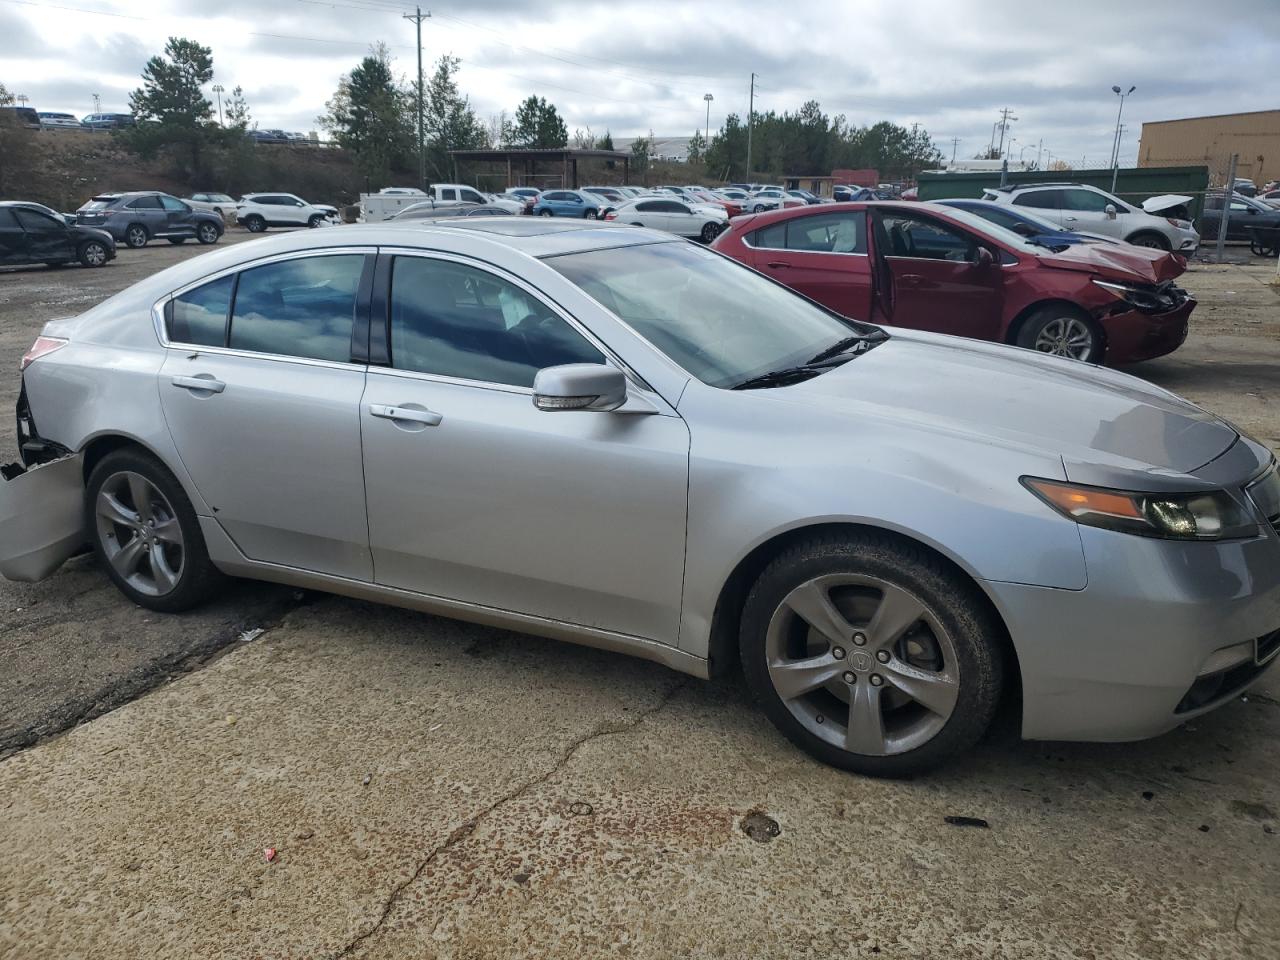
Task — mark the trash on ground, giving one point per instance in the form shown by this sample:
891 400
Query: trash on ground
269 853
760 827
967 822
253 634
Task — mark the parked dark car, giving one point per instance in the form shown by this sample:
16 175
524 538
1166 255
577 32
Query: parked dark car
109 121
67 218
1020 221
22 116
29 235
1245 216
930 267
140 216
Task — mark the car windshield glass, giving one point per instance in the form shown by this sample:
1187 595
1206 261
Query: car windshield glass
720 321
993 230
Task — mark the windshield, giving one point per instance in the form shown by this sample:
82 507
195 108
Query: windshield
720 321
993 230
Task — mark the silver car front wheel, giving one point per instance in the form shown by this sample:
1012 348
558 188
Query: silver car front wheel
870 653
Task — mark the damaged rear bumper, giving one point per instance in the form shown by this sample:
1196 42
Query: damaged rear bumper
41 517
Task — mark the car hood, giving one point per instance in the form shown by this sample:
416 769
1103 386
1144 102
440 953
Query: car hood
1166 201
1118 261
1090 416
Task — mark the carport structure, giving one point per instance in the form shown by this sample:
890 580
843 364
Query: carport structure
522 165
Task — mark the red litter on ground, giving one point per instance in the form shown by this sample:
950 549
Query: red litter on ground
269 853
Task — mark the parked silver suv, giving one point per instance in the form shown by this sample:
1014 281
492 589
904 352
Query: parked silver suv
1078 206
140 216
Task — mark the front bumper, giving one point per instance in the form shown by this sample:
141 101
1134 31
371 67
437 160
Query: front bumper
1155 638
1133 335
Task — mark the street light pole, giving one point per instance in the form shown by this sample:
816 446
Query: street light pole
1115 149
751 116
707 136
217 88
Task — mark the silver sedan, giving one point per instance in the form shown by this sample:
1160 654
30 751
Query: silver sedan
625 440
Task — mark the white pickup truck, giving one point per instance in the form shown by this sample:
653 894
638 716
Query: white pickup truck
386 203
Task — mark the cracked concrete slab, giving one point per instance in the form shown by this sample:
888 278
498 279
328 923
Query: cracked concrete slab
536 799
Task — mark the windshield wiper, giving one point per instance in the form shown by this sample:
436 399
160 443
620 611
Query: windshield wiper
840 352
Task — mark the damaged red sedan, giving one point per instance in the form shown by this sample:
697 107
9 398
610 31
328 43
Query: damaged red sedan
928 267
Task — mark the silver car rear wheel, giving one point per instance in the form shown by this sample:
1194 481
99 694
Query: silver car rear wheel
863 664
139 533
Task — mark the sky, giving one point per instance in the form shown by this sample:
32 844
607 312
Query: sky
631 66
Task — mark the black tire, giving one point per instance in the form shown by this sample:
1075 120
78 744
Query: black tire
315 220
177 241
1041 321
207 234
637 223
758 208
255 224
953 601
710 231
590 215
198 578
136 236
1148 239
545 213
93 253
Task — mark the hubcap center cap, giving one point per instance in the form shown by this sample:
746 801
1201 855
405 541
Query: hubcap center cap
861 661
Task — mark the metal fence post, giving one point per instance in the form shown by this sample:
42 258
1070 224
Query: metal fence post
1228 191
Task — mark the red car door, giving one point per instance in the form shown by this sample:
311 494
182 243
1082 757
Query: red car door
822 255
935 276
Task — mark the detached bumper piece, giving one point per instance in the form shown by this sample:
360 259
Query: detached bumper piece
41 517
1229 671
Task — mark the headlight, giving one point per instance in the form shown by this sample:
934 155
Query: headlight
1172 516
1180 224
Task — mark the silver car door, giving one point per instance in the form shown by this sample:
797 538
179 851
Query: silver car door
268 424
476 495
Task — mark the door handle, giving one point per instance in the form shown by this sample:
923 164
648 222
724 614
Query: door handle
1070 219
205 383
777 264
387 412
911 279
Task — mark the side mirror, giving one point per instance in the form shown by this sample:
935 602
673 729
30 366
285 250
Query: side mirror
579 386
983 257
1024 229
1111 211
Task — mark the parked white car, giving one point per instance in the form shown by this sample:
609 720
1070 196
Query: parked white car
672 215
258 211
219 203
461 193
51 119
1078 206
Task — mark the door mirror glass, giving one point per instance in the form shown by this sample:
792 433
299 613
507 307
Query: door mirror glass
579 386
1111 211
983 257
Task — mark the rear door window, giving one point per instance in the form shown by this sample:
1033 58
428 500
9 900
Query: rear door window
1084 200
298 308
199 316
144 203
172 204
1040 199
828 233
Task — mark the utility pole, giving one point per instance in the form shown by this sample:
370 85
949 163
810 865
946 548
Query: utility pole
751 116
97 103
707 97
1115 147
1006 115
1039 151
955 142
1228 193
417 17
217 88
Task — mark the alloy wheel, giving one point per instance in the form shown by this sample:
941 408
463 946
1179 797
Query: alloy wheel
136 237
862 664
95 254
208 234
1067 337
140 534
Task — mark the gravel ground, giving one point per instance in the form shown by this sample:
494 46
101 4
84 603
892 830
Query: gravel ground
441 789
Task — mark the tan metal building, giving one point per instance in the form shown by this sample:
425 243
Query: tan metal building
1211 141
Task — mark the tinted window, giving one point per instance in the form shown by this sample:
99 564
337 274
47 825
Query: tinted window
923 239
457 321
828 233
1042 199
144 203
169 203
298 308
200 316
1213 203
471 196
448 194
650 206
6 218
1084 200
772 237
36 222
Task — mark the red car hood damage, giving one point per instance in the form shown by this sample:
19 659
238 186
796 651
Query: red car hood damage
1118 262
